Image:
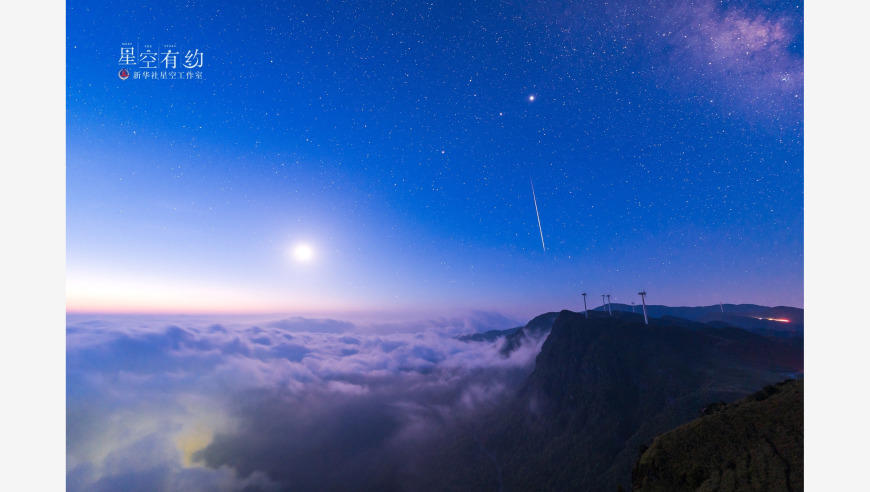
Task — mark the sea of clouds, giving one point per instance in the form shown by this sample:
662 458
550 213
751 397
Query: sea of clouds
288 404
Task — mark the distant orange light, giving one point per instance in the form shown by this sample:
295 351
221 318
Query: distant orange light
781 320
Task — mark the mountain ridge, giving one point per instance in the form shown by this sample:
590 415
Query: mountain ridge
753 444
602 387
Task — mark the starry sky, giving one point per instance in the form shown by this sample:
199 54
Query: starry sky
400 141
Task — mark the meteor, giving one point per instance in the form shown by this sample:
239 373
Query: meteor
538 214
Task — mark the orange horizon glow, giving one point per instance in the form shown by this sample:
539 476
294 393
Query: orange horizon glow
189 306
245 304
114 295
183 304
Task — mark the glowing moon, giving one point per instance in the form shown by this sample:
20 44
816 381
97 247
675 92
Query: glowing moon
303 252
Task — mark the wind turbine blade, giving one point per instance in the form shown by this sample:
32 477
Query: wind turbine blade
538 215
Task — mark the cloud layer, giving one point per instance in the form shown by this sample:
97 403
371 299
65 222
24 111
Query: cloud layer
284 404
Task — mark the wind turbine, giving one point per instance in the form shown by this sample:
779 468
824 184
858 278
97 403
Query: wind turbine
608 305
632 306
584 306
603 302
643 300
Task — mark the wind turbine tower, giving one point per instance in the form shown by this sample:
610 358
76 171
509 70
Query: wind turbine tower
643 300
603 302
632 306
585 311
608 305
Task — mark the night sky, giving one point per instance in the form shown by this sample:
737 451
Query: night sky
399 142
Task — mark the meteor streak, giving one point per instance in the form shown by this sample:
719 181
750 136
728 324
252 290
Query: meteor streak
539 215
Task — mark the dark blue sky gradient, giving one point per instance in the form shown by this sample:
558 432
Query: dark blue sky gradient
398 139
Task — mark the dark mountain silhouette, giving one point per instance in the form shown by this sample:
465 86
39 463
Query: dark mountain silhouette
751 317
601 388
514 337
754 444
